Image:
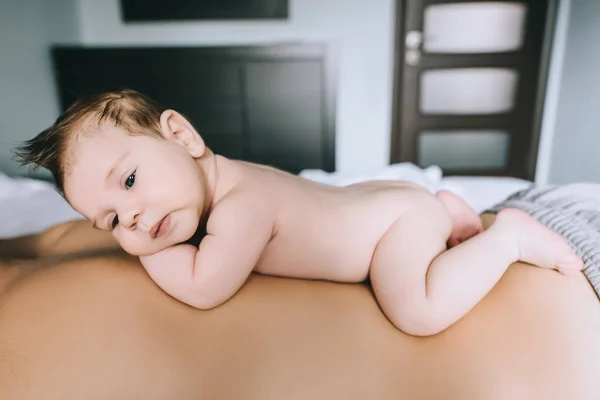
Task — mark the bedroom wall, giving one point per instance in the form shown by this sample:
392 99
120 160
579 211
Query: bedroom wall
362 31
27 92
575 150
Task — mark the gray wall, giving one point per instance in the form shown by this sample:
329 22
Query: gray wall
362 31
27 95
576 144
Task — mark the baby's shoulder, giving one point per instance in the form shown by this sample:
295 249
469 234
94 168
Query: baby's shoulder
239 204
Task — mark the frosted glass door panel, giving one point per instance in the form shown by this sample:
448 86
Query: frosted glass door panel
464 150
486 27
467 91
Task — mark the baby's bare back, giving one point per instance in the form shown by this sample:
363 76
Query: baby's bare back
324 232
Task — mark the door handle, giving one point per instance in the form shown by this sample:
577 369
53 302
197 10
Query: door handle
412 43
413 40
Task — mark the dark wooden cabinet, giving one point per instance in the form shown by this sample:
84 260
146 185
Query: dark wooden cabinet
269 104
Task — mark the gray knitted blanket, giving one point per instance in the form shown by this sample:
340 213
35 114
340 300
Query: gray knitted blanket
572 211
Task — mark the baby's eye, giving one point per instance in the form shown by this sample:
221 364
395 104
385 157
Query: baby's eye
114 222
130 181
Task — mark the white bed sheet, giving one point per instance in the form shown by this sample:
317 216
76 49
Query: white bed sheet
29 206
484 192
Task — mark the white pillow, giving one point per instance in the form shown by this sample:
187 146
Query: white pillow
483 192
30 206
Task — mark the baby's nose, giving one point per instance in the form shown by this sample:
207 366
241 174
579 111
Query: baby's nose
130 221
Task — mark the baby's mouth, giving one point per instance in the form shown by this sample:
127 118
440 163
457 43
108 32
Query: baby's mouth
161 227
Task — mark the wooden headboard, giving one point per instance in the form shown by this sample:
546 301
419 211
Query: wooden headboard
273 105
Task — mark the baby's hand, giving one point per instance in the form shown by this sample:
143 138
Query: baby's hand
208 275
172 269
183 254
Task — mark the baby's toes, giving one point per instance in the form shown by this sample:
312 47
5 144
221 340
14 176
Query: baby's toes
570 266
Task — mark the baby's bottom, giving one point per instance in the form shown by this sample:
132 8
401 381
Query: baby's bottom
423 288
465 221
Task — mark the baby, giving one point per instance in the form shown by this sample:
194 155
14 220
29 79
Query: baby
146 175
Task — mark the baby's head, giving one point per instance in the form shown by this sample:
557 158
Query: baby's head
128 165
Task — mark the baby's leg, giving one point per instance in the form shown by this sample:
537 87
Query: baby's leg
424 289
465 221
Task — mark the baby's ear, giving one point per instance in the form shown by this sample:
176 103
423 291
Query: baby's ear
176 127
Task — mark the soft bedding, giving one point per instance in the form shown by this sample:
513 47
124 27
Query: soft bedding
29 206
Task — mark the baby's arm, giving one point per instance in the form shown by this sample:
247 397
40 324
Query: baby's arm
238 230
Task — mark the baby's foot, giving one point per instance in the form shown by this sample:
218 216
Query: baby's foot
465 221
539 245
